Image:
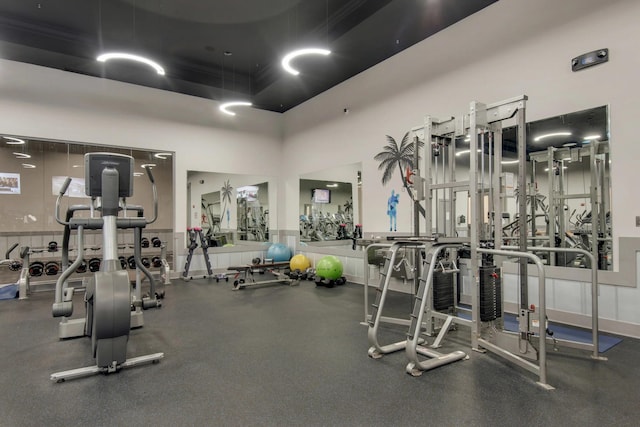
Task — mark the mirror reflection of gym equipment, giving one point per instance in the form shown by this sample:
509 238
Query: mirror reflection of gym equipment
327 208
569 187
253 216
442 254
230 208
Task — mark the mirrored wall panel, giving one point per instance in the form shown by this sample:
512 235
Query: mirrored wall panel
32 171
568 187
330 203
230 208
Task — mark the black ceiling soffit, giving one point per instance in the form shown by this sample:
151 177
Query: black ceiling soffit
224 49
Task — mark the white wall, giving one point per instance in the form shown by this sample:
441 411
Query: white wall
510 48
52 104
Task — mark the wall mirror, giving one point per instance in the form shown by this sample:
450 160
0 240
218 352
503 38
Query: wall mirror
32 170
230 208
569 187
330 203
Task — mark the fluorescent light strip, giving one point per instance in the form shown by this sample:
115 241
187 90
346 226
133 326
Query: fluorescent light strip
332 185
13 141
225 107
22 155
549 135
119 55
286 61
509 162
138 174
28 166
162 156
590 137
148 165
564 167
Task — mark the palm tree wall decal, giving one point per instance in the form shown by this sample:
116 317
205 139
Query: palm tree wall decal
226 191
393 156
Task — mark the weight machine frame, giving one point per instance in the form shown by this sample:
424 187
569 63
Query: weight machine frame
528 344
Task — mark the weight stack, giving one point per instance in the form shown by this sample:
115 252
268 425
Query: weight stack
490 294
442 291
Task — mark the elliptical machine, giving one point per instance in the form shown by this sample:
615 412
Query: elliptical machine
107 321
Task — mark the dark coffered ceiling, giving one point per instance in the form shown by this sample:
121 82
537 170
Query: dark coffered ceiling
223 49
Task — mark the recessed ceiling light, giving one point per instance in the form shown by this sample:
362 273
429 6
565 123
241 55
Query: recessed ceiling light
286 61
22 155
13 141
590 137
162 156
460 153
28 166
225 107
119 55
549 135
148 165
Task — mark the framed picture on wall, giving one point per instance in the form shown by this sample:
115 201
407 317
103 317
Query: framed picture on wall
9 183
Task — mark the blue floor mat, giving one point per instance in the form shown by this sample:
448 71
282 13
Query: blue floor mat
563 332
8 291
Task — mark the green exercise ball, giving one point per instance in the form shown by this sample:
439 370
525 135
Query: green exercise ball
329 267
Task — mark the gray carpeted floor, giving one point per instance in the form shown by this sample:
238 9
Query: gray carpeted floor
279 355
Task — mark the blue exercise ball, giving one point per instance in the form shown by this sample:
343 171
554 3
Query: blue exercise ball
279 252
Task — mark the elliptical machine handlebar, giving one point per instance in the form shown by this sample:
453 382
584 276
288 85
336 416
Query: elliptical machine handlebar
155 195
7 255
63 190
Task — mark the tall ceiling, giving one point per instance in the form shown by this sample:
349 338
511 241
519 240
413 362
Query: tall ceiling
223 49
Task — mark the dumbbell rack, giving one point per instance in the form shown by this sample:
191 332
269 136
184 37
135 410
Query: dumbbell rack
47 281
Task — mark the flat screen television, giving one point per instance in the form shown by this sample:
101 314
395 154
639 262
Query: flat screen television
248 192
321 195
76 188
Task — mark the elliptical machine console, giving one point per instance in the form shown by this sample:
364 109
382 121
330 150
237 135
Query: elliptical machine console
108 181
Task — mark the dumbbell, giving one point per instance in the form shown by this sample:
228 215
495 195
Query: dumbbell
132 262
145 262
94 264
36 269
52 246
156 261
144 242
51 268
123 262
156 242
15 265
82 268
